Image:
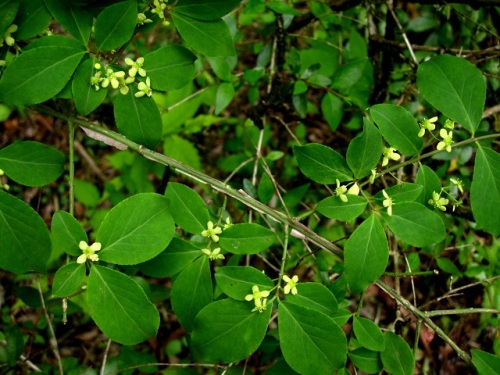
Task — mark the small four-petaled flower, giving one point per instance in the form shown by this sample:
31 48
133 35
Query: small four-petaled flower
427 124
438 202
89 252
259 297
214 254
135 66
389 153
341 191
144 89
387 202
291 284
459 184
212 232
447 140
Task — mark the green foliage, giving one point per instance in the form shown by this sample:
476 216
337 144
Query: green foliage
264 175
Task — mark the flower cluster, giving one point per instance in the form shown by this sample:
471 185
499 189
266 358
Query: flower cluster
445 133
89 252
142 19
212 233
259 298
105 77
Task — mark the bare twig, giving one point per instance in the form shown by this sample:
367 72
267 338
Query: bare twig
105 357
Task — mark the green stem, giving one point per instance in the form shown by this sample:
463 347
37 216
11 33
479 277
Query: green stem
283 260
470 310
421 315
415 343
405 274
71 168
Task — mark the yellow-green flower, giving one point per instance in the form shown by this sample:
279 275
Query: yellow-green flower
447 140
89 252
159 8
341 191
438 202
459 184
427 124
214 254
9 40
354 189
389 153
291 284
373 175
228 223
212 232
144 89
142 19
259 297
449 124
135 67
387 202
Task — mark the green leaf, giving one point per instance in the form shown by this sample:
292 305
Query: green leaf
13 344
364 151
192 291
355 81
397 356
366 254
311 342
448 266
73 18
120 307
222 324
398 127
31 163
25 245
333 110
138 118
8 10
187 207
454 87
237 282
182 150
86 97
205 9
38 74
32 19
321 163
87 193
485 190
211 38
246 239
177 256
115 25
282 8
68 280
486 363
430 182
316 297
170 67
368 334
67 233
136 230
404 192
415 224
335 208
366 360
224 96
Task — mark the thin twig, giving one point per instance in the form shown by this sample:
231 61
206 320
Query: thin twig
91 163
400 27
105 357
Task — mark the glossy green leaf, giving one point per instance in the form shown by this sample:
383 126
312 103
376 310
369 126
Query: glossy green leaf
485 190
67 233
222 324
415 224
366 360
120 307
25 245
192 291
314 296
136 230
68 279
430 182
311 342
86 97
454 87
366 254
237 282
177 256
246 239
364 151
368 334
354 80
211 38
39 74
32 19
397 356
321 163
187 208
404 192
486 363
399 128
73 18
223 97
138 118
205 9
115 25
170 67
332 108
335 208
8 10
280 367
31 163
